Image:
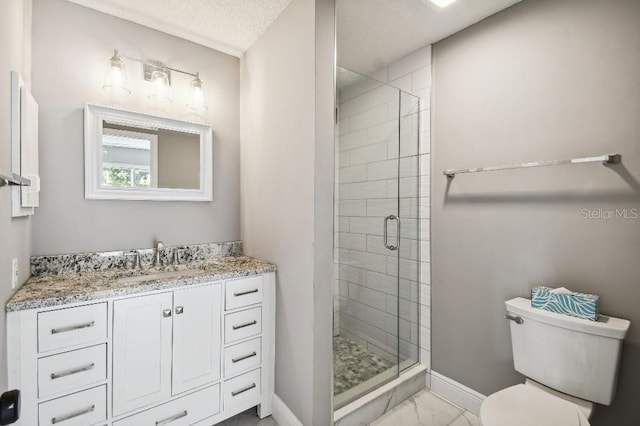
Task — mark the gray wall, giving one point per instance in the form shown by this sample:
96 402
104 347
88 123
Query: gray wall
15 234
71 46
542 80
286 194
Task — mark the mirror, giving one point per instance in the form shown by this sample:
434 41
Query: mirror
135 156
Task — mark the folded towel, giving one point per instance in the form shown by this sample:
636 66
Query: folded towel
563 301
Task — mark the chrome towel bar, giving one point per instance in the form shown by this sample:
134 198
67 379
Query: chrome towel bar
605 159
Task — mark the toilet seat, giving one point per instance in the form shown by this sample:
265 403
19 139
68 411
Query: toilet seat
525 405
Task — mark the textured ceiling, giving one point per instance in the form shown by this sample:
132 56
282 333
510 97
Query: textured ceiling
230 26
370 33
374 33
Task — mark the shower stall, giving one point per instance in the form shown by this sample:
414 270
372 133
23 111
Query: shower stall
377 235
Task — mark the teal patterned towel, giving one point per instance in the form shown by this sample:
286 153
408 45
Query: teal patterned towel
565 302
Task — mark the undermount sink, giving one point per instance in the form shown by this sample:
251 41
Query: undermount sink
157 276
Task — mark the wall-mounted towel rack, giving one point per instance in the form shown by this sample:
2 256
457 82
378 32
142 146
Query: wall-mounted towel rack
605 159
8 178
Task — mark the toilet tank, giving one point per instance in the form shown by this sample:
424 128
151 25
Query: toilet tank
572 355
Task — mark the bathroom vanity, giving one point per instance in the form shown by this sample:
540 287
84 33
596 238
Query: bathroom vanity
192 344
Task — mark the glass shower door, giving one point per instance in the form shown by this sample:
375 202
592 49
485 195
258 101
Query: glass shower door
376 247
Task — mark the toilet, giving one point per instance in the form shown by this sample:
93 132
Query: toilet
569 364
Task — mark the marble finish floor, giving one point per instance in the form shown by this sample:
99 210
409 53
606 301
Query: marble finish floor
354 364
426 409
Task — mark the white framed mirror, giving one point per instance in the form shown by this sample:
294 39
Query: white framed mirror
135 156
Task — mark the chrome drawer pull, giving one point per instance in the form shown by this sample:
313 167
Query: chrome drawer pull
172 418
244 293
72 328
166 313
242 358
55 420
235 327
239 391
74 371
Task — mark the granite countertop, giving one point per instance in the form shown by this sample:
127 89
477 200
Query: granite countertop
56 290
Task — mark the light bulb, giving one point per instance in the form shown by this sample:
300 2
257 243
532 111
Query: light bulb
116 76
197 96
160 88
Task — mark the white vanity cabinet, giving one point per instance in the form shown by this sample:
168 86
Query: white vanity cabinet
196 354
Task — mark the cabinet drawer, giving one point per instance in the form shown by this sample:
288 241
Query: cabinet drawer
186 410
243 292
79 409
71 370
72 326
241 357
242 324
242 391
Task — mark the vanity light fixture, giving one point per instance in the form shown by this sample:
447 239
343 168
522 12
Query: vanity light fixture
159 76
442 3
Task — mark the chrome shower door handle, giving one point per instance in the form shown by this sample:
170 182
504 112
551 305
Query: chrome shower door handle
385 239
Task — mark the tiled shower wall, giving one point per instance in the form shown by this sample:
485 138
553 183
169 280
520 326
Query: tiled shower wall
365 307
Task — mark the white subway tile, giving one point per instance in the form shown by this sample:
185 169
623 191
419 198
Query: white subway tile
425 338
425 359
381 75
393 148
353 241
383 132
408 167
411 62
352 208
353 106
368 297
353 174
382 320
425 316
421 79
425 142
368 261
368 154
382 207
343 159
383 282
352 140
382 95
425 251
392 188
368 118
392 305
425 164
343 224
425 273
364 190
387 169
425 294
402 83
375 244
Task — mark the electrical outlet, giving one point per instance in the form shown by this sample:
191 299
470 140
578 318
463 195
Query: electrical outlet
14 273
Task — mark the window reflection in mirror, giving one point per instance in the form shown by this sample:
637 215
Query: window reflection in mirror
141 158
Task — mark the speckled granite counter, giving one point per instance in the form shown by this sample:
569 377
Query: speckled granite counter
57 290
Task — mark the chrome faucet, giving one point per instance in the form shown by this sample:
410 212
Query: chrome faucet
159 247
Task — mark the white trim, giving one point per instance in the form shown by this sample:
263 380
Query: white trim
283 414
457 393
94 116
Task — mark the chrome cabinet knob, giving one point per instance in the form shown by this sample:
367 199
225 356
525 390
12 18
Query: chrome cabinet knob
179 310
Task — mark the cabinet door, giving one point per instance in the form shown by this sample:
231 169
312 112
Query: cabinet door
141 351
196 337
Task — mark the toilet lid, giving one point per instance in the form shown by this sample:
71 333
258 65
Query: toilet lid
528 406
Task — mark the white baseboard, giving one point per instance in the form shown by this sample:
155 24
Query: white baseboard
456 392
282 414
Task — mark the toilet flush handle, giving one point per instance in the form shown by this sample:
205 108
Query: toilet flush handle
517 320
